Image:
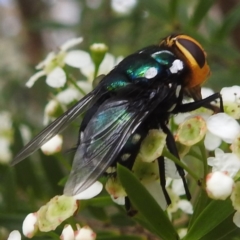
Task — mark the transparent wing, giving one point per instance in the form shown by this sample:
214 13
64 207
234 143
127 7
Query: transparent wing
54 128
101 141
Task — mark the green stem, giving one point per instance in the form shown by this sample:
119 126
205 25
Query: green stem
73 82
96 71
63 161
204 159
181 164
194 154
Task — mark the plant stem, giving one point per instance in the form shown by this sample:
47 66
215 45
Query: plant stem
181 164
73 81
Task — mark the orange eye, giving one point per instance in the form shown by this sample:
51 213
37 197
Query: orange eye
192 54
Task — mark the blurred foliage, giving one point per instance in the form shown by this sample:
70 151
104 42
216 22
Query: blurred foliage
27 186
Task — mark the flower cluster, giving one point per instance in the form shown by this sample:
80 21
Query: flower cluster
214 130
200 127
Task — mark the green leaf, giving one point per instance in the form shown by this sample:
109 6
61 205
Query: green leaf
173 6
99 213
123 237
201 203
146 205
214 214
223 230
98 201
229 22
51 164
200 11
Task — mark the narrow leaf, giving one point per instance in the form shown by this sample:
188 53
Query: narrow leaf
214 214
200 11
201 203
146 205
223 230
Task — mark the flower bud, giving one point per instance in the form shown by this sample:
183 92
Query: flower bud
67 233
30 225
219 185
53 146
114 188
85 233
14 235
98 51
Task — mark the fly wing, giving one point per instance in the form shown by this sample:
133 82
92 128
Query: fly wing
101 141
54 128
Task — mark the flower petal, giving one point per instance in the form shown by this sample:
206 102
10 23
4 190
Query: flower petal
177 187
85 233
211 141
14 235
223 126
77 59
46 61
185 206
34 78
67 233
56 78
52 146
29 226
119 200
90 192
68 95
230 94
71 43
107 64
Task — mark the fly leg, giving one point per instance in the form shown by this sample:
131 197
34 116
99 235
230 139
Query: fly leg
161 167
171 145
187 107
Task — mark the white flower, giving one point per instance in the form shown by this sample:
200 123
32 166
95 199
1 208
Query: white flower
224 162
6 154
67 233
177 190
221 127
182 232
70 94
53 146
85 233
14 235
231 100
123 6
108 63
30 225
219 185
185 206
54 62
90 192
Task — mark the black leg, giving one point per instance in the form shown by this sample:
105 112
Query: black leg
173 149
187 107
161 166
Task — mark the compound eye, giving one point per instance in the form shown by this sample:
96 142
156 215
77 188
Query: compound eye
196 52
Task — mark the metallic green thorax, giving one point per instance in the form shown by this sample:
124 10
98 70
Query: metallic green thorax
140 68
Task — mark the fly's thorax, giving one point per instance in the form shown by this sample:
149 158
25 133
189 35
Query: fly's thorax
193 55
